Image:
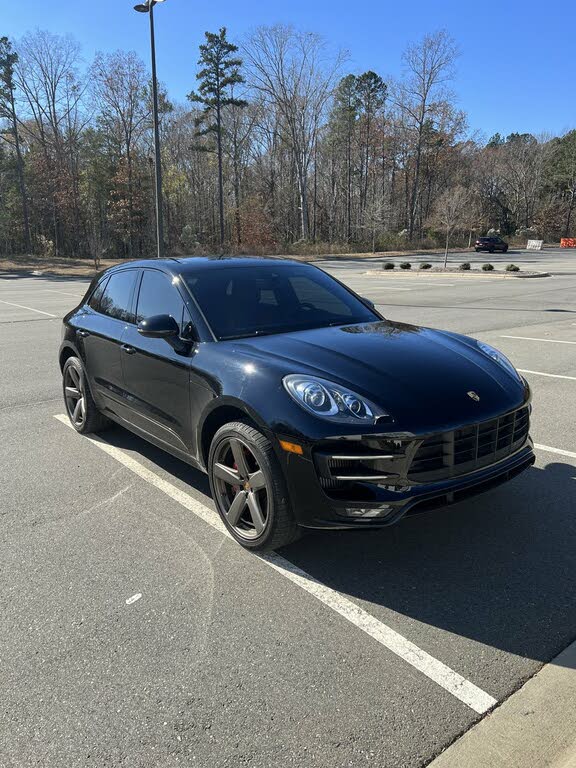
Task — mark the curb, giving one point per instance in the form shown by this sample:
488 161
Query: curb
458 275
534 728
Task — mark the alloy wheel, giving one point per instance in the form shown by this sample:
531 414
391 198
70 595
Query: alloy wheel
75 396
241 488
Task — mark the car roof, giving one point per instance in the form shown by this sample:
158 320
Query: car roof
183 265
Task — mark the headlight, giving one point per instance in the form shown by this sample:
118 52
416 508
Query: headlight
331 401
500 358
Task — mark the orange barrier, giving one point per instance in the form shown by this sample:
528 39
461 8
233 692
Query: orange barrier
568 242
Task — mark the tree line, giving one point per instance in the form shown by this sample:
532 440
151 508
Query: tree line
277 149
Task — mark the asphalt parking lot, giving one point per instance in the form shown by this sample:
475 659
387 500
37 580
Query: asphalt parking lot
133 632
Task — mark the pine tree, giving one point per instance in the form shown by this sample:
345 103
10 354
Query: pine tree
342 123
371 94
8 61
219 74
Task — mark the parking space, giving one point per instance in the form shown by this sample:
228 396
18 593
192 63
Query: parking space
29 298
135 632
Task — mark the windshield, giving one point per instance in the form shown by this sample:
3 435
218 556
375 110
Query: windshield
245 301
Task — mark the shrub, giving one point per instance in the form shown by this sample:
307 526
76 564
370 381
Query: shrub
425 266
512 268
487 267
405 265
388 265
465 266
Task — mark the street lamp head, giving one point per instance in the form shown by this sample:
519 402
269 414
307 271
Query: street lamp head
145 7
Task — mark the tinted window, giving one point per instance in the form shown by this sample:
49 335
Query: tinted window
310 293
248 301
116 299
94 302
158 297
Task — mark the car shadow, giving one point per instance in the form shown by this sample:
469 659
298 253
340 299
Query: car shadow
498 569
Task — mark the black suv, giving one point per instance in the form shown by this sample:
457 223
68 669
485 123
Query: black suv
306 407
490 244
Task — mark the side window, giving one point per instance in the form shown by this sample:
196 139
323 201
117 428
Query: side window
94 302
267 296
158 297
115 301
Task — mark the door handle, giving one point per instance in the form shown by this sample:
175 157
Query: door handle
128 349
82 334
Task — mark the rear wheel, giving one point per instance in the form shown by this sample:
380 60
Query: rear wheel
80 407
491 250
249 489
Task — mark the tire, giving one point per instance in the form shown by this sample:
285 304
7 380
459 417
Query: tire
477 250
491 250
85 418
505 250
249 489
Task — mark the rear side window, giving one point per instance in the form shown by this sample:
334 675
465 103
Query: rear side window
115 301
94 302
158 297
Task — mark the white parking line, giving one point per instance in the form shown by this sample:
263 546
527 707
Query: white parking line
530 338
63 293
435 670
30 309
551 375
559 451
390 288
418 281
404 282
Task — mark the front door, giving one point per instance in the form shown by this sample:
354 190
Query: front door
157 371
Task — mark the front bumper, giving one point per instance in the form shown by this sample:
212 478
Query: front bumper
373 482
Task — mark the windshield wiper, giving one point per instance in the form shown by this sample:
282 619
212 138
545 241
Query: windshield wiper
251 334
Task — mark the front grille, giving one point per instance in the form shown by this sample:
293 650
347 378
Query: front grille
464 450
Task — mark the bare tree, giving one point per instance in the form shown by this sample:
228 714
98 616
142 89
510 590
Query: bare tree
521 159
429 67
119 82
239 125
374 218
295 75
450 212
47 75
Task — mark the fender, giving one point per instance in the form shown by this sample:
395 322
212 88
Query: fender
65 347
209 418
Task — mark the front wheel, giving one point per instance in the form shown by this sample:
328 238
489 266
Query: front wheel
249 489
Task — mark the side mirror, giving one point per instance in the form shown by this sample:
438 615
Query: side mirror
370 303
158 327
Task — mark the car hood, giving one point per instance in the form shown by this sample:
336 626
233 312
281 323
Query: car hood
421 376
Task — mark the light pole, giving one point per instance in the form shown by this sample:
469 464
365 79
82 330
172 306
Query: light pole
148 7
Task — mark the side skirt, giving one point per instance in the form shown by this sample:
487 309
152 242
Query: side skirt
173 451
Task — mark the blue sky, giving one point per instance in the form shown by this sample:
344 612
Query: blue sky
516 71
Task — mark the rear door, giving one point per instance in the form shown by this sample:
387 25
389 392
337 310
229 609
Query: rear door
157 371
108 314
